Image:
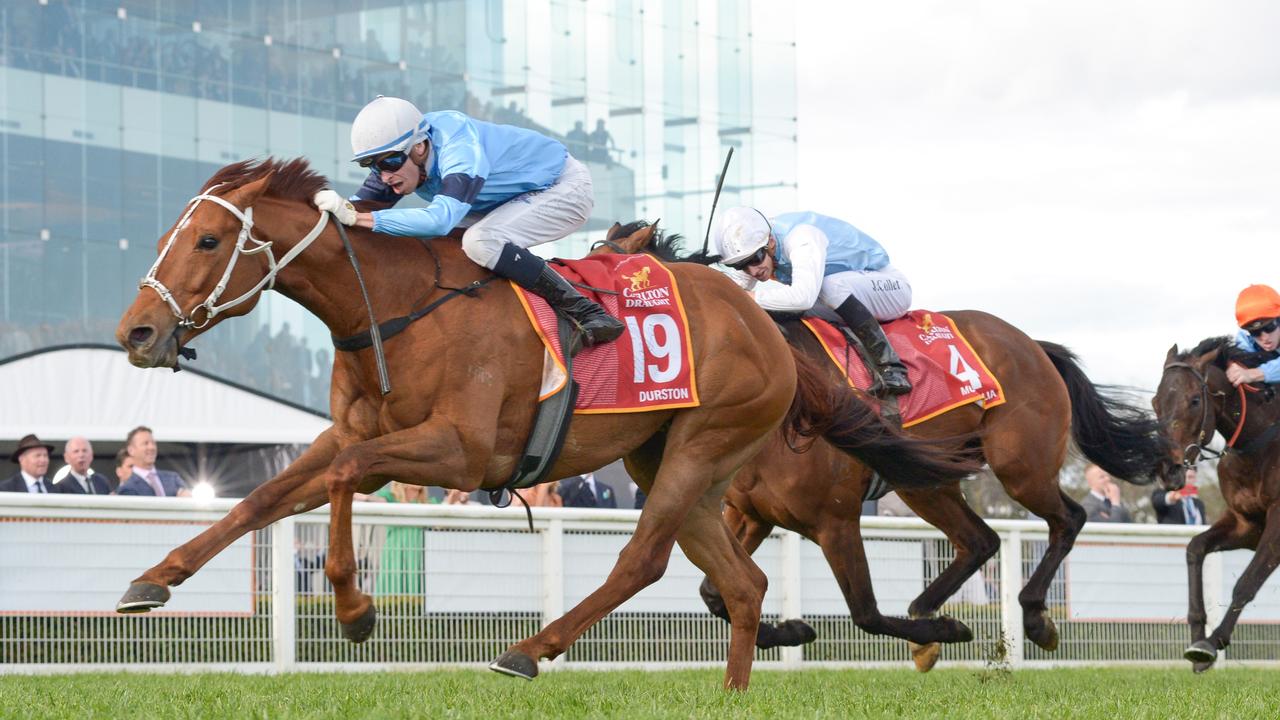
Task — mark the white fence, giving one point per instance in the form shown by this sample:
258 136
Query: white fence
456 585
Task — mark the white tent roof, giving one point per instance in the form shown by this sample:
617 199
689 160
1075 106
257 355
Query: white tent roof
93 391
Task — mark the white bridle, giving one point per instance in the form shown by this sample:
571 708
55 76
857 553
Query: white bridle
210 304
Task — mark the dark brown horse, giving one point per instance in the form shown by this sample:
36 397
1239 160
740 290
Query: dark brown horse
465 382
818 494
1194 400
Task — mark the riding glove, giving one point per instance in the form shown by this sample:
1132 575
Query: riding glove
330 201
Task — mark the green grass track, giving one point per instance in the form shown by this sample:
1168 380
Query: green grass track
1103 693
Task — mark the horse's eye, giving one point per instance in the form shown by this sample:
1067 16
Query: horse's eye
1195 402
207 242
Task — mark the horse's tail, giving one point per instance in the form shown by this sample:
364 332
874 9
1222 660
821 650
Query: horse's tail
836 413
1122 439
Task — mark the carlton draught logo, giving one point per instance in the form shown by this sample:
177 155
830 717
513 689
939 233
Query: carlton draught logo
640 294
930 332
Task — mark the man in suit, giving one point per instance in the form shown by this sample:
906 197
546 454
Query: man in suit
32 457
1103 501
146 479
80 478
1180 507
585 491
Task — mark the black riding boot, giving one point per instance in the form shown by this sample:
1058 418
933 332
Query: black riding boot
891 374
531 273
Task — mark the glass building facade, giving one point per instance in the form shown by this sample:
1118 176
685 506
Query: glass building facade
113 114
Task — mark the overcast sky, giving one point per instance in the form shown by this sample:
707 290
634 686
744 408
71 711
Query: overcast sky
1103 174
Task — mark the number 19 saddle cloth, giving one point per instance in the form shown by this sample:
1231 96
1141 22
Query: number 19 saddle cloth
945 371
650 367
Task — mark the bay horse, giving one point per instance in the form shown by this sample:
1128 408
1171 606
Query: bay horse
818 493
1194 400
465 381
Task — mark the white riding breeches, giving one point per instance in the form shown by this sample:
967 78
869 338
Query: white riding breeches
533 218
885 292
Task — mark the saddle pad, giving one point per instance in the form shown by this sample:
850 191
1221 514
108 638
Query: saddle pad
944 370
650 367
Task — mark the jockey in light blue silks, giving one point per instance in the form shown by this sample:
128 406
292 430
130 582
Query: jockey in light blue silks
792 261
526 186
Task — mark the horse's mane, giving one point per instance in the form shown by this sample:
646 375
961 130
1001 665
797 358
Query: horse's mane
667 247
1230 352
290 179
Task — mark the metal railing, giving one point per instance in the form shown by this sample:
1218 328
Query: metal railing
456 585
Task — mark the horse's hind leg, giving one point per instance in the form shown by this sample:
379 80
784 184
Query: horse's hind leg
975 543
707 543
300 487
841 543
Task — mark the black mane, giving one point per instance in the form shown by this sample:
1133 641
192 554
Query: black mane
667 247
1230 352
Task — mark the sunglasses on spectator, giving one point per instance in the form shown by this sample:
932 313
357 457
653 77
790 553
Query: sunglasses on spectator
755 259
390 162
1263 329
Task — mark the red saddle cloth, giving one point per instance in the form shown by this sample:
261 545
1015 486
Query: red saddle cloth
944 370
650 367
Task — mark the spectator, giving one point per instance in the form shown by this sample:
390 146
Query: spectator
81 480
1103 501
1179 507
601 142
584 491
124 467
146 479
576 140
401 568
32 457
543 495
641 497
893 506
457 497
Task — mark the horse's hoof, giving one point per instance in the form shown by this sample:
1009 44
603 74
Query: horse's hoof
788 633
1201 651
1043 631
142 597
362 628
515 664
958 632
1199 667
925 656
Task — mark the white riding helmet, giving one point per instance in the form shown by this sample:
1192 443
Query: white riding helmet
387 124
739 232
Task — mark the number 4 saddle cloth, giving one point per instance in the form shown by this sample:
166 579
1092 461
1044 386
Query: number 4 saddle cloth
944 370
650 367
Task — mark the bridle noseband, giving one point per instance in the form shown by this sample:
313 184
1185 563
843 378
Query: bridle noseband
210 304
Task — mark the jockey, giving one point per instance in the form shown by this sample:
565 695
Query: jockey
1257 311
526 187
800 258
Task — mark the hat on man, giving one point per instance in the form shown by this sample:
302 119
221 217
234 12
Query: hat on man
1257 305
29 442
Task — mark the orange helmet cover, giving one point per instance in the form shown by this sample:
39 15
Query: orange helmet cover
1257 302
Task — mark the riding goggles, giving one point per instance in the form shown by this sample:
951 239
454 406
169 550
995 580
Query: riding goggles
1261 330
390 162
754 259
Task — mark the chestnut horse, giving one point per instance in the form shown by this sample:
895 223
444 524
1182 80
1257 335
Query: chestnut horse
465 381
1195 399
1024 442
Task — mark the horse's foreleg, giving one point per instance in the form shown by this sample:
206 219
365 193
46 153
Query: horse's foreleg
1265 559
1230 532
431 452
749 532
1065 518
299 488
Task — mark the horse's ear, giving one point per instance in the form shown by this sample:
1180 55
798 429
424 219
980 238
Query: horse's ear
1173 353
648 232
613 232
246 195
1207 359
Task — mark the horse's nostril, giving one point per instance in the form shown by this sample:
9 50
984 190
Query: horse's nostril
140 335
